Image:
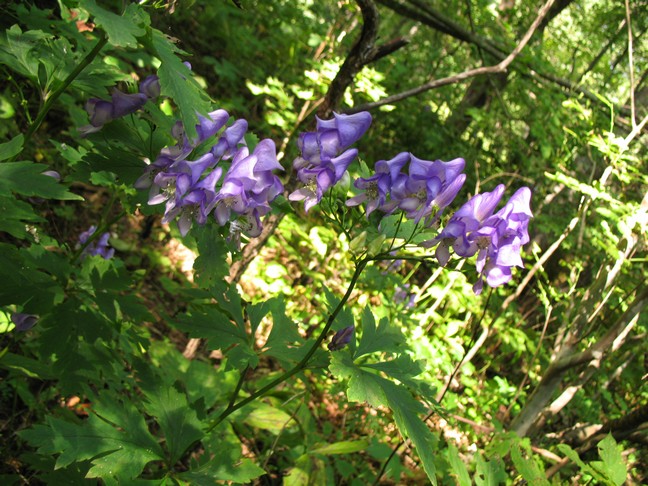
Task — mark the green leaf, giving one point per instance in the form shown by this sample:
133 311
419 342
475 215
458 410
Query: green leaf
21 283
284 343
15 216
122 30
342 447
458 468
222 460
376 390
28 366
613 465
527 467
222 469
310 470
211 266
403 368
27 179
120 452
406 415
385 338
489 473
177 83
11 148
362 386
176 418
268 418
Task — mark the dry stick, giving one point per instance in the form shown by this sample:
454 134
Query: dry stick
497 68
630 66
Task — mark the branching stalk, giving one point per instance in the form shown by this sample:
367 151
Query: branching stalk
231 408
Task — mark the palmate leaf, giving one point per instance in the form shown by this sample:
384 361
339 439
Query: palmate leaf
222 460
27 179
211 266
209 322
176 418
177 83
384 338
15 216
121 450
376 390
612 464
122 30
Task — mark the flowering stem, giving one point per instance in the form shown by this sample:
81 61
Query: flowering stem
231 408
54 95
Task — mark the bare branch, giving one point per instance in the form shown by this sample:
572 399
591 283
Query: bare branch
498 68
361 53
436 20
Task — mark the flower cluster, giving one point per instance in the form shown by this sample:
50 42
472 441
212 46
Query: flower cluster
101 112
188 187
325 155
422 193
496 238
98 247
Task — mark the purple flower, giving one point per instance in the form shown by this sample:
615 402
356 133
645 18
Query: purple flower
208 127
195 203
249 184
124 104
341 338
500 239
150 86
229 142
467 219
428 189
324 156
23 322
101 112
377 187
98 247
496 238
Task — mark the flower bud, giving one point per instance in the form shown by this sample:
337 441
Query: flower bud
376 244
341 338
358 243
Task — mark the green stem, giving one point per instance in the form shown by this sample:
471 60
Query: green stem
51 98
304 361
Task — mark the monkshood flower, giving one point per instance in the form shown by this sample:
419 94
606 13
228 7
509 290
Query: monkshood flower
324 156
150 86
23 322
496 238
98 247
341 338
428 189
500 239
181 178
249 183
376 188
464 221
121 104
